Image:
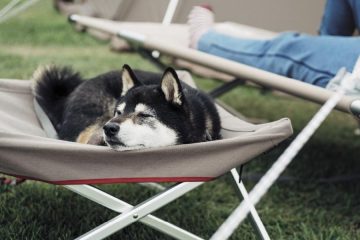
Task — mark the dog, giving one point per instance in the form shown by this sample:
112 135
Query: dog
125 109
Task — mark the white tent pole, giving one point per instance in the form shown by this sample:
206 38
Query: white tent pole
8 7
17 10
170 12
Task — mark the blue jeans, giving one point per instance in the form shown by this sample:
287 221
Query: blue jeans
312 59
340 18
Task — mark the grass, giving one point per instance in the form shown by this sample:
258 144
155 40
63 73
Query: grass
303 209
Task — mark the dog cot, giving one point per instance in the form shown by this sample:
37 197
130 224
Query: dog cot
28 152
172 40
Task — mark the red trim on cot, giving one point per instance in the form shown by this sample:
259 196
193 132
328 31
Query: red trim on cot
120 180
132 180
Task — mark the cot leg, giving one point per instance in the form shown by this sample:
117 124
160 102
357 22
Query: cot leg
148 55
133 214
226 87
254 216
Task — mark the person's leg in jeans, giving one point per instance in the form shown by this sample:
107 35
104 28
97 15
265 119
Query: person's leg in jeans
311 59
340 18
314 60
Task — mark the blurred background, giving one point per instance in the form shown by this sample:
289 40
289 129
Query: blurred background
318 196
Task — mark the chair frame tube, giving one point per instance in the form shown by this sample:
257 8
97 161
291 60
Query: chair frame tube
266 79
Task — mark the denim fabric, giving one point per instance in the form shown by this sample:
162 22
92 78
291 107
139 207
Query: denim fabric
341 18
311 59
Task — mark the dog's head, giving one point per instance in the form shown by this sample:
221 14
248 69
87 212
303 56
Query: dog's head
148 115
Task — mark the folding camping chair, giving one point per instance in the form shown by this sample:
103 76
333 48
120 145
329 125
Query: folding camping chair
28 151
172 40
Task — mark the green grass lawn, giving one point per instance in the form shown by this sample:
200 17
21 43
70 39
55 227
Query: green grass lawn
306 208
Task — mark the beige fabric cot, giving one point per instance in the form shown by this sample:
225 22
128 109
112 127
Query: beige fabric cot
27 152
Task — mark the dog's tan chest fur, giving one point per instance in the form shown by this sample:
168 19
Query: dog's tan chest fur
91 135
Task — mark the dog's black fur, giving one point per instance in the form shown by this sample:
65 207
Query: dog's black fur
74 105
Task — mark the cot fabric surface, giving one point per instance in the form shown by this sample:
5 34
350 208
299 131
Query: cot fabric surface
27 152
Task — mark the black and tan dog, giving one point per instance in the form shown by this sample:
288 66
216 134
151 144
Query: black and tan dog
125 109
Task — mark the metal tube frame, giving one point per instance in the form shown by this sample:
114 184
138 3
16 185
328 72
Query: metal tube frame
142 212
254 216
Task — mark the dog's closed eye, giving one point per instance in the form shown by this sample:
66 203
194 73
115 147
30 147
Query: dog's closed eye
145 115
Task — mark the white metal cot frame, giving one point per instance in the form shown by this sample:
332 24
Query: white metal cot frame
142 212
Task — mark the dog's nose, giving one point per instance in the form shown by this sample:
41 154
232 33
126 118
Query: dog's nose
111 129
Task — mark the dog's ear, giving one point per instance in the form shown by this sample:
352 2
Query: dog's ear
128 78
171 87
